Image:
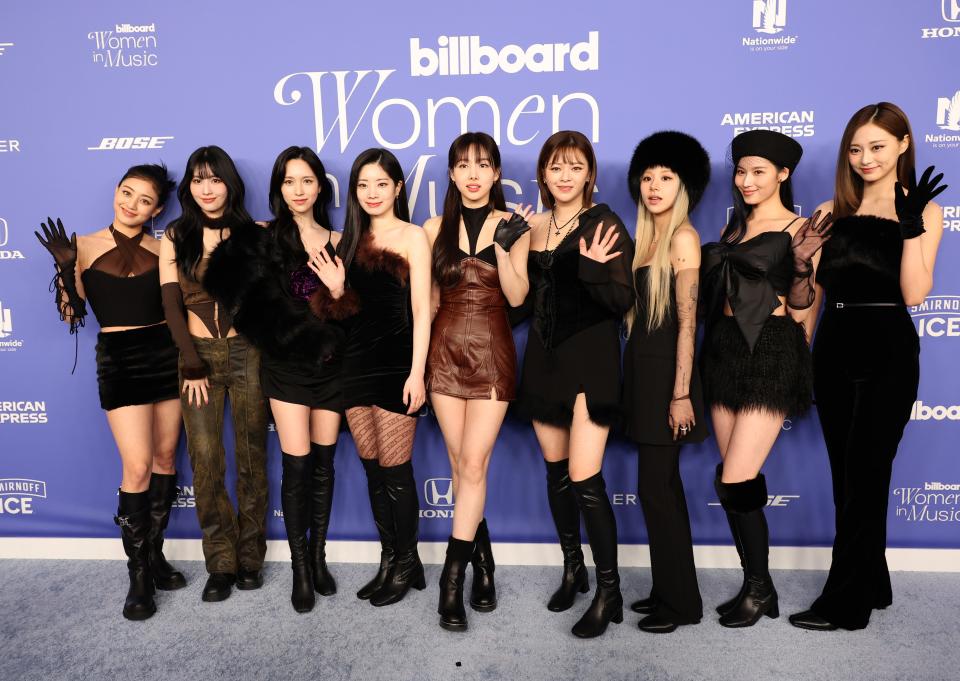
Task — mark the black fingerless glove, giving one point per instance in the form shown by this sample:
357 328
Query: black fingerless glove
508 231
69 302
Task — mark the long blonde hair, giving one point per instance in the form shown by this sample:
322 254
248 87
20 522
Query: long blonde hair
661 271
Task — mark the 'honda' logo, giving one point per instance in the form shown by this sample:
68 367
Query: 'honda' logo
438 491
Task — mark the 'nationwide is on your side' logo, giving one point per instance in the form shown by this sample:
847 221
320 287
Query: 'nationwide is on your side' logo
769 19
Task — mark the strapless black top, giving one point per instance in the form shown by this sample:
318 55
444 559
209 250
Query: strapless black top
861 261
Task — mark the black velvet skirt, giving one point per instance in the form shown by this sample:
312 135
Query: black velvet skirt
777 377
309 384
138 366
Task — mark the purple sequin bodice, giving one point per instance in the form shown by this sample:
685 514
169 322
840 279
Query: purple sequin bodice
303 282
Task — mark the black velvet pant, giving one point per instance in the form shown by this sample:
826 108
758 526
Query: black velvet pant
664 504
866 371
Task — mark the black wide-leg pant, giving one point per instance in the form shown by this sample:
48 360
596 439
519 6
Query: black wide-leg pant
866 372
664 504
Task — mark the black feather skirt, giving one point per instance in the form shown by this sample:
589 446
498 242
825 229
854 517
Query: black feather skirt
138 366
777 377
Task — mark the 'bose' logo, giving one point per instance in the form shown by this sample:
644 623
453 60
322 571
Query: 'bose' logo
122 143
438 491
464 55
922 412
769 16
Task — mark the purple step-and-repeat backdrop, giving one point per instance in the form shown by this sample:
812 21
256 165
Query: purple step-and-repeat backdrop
88 90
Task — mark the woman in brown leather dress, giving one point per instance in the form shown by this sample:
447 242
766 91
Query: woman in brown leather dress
479 266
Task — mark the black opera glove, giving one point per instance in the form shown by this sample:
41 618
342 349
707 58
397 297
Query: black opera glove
809 239
64 284
910 205
508 231
54 239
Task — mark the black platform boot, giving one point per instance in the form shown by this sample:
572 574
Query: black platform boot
133 517
745 501
726 606
295 500
383 519
566 518
483 592
322 500
406 570
607 605
163 490
453 616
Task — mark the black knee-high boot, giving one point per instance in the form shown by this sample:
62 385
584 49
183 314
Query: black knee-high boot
726 606
133 517
322 501
383 519
453 616
406 570
566 518
483 592
163 490
745 501
607 605
295 500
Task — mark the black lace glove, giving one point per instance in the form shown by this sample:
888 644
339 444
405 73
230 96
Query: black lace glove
809 239
508 231
64 284
910 206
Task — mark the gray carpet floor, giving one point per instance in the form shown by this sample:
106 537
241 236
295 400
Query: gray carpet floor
61 620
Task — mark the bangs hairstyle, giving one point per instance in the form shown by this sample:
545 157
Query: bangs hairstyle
446 264
286 234
565 146
156 174
357 221
848 191
186 231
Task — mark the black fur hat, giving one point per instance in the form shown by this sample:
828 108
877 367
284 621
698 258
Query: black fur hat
678 151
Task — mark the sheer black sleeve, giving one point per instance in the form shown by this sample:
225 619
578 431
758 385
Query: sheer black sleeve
610 283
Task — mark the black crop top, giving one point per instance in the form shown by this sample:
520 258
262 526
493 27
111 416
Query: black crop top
751 275
473 219
123 284
861 261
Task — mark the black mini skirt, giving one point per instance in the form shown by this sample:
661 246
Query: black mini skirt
777 377
138 366
309 384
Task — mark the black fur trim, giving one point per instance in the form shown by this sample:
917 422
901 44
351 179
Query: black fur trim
742 497
235 264
675 150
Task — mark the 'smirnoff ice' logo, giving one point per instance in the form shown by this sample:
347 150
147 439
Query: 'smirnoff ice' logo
769 16
438 492
466 56
127 46
18 494
937 316
935 502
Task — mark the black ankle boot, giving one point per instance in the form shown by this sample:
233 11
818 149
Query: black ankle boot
295 500
406 570
383 519
133 517
453 616
566 518
745 502
483 593
607 605
163 490
726 606
322 498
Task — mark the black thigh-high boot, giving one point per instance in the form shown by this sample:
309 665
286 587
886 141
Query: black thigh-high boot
163 490
406 570
566 518
745 501
322 501
453 616
607 605
383 519
726 606
133 517
483 592
295 500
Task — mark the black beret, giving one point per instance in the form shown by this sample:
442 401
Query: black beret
774 146
677 151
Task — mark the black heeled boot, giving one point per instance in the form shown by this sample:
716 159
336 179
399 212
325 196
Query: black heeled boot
483 592
566 518
607 605
322 501
133 518
383 519
163 490
406 570
295 500
726 606
453 616
745 502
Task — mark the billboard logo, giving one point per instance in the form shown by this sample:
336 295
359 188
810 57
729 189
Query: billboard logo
127 46
948 112
924 412
17 495
950 10
938 316
769 16
125 143
935 502
3 47
464 55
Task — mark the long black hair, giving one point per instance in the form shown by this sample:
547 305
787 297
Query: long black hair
157 175
186 231
737 227
446 263
357 221
286 234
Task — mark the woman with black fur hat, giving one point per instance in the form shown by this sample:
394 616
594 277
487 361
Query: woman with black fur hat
662 397
758 286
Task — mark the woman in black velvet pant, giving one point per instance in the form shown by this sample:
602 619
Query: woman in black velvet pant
866 352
